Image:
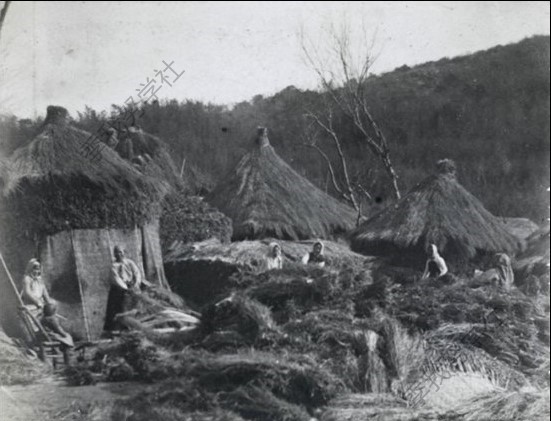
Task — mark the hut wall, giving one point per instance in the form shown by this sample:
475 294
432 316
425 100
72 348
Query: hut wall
77 272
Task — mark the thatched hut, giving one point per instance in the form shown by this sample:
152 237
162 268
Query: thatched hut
150 154
437 211
521 228
265 197
199 271
68 200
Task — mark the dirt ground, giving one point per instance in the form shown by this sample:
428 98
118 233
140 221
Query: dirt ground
52 400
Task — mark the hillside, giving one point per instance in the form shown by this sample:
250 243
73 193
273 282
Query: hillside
489 111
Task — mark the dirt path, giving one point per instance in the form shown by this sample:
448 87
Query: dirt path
52 400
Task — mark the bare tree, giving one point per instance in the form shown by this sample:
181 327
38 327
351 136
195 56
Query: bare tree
3 13
343 72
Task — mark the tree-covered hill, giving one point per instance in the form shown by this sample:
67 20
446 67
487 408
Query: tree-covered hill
489 111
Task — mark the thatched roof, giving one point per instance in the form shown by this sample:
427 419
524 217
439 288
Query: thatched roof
54 182
59 150
437 211
520 227
265 197
535 259
161 166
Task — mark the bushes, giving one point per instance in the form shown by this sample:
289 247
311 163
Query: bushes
189 219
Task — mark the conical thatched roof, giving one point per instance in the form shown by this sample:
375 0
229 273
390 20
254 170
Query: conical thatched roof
60 149
162 166
265 197
56 182
437 211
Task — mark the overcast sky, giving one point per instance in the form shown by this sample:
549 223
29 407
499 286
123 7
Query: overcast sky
98 53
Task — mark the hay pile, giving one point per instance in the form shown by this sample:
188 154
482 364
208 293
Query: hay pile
378 407
235 321
532 266
301 342
507 325
17 367
246 382
204 270
507 406
265 197
187 219
156 310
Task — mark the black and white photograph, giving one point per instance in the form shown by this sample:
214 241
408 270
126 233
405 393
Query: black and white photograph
275 211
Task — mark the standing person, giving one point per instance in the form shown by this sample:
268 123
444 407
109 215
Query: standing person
316 256
126 281
436 265
126 273
273 259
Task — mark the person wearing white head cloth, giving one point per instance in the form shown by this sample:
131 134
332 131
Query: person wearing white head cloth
273 259
316 256
34 290
500 275
506 277
436 265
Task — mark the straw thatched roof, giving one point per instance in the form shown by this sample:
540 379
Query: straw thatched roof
59 150
161 166
265 197
54 182
520 227
437 211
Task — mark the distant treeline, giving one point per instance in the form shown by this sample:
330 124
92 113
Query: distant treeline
488 111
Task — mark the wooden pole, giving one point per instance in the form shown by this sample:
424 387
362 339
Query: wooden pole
21 305
182 169
11 281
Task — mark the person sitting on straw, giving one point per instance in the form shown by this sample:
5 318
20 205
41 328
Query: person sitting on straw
316 256
273 259
436 265
501 275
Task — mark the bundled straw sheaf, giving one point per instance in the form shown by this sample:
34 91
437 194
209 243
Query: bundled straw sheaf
265 197
437 211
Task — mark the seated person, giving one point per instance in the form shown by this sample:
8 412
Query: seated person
41 306
50 320
500 275
34 292
273 259
436 265
316 256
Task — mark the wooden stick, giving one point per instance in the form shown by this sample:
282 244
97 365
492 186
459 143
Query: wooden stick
182 169
11 281
24 309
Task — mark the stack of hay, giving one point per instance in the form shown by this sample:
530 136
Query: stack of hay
17 367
